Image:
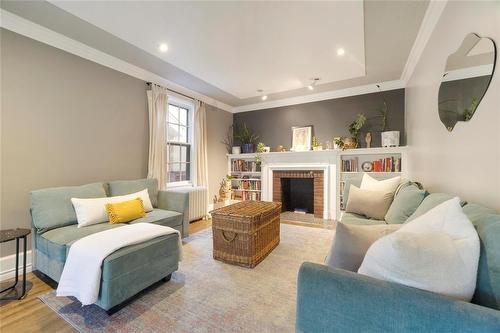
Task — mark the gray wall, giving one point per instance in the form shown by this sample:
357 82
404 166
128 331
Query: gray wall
329 118
466 161
218 122
69 121
65 121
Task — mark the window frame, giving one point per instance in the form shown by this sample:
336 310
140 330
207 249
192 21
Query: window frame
187 105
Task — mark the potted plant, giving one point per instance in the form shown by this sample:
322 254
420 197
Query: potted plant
247 139
354 129
315 144
261 148
388 138
338 142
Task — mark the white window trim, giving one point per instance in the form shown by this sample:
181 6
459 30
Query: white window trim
187 103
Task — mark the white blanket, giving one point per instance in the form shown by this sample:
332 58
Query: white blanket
81 276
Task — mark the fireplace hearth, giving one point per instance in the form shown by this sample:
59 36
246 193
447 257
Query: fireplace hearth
297 189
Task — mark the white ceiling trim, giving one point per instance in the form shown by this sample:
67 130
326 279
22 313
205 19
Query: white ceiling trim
431 18
360 90
37 32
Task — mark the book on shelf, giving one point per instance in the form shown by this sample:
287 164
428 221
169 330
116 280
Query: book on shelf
253 184
350 165
245 166
244 196
388 164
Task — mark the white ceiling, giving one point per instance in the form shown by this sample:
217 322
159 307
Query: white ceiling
240 47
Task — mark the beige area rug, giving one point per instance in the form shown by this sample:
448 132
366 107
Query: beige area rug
206 295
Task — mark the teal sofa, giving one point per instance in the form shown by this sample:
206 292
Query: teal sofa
336 300
126 271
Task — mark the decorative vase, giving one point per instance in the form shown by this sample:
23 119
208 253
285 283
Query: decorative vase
247 148
236 150
350 143
390 139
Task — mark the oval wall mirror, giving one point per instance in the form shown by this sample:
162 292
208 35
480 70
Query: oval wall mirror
465 80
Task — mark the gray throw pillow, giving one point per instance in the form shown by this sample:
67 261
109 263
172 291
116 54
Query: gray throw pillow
405 203
351 243
372 204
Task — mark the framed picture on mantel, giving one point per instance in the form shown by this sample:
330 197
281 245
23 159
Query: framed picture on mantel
301 138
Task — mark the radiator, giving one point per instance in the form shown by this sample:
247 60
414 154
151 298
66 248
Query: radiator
198 201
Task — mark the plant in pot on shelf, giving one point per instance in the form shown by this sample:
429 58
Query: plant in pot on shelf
229 142
354 129
247 139
388 138
316 145
261 148
338 142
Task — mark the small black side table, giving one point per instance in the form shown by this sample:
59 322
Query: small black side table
17 234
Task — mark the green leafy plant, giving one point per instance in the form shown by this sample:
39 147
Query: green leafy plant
358 123
259 150
339 142
315 142
245 135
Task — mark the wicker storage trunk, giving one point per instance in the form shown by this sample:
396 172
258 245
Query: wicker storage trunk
246 232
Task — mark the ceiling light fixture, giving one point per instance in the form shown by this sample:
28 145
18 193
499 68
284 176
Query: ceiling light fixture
313 83
261 92
163 47
340 51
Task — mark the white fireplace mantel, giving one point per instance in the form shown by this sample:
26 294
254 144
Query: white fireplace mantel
329 182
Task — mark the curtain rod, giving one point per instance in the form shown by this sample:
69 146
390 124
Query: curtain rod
191 98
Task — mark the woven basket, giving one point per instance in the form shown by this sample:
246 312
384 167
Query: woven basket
246 232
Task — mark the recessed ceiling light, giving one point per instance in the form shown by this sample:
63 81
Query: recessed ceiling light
340 51
264 97
163 47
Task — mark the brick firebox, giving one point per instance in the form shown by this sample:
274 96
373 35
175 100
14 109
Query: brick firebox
318 178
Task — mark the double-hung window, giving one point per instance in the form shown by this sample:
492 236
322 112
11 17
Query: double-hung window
179 143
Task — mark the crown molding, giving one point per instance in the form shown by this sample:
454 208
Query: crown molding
431 18
39 33
360 90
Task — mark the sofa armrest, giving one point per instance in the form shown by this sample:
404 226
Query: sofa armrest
335 300
177 202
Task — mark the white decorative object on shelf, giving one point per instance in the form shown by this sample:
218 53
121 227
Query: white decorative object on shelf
390 139
236 150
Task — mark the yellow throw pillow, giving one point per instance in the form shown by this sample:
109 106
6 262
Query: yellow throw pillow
125 211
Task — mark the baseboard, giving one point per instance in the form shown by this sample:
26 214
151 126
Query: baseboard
8 265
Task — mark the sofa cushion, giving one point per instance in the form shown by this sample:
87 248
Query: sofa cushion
55 243
476 212
351 242
487 291
163 217
431 201
351 218
373 204
52 208
405 203
122 187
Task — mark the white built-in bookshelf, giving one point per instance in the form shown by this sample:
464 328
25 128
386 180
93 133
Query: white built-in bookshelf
247 181
385 163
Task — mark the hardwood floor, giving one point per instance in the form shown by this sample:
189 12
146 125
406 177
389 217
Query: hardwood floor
31 315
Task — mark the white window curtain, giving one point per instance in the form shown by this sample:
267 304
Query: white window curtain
200 136
158 111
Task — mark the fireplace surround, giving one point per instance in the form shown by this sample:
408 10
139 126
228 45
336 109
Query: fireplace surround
317 177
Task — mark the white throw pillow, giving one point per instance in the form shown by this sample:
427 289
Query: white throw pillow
93 211
438 252
386 185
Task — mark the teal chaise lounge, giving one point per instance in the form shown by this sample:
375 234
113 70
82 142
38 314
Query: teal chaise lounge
126 271
336 300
